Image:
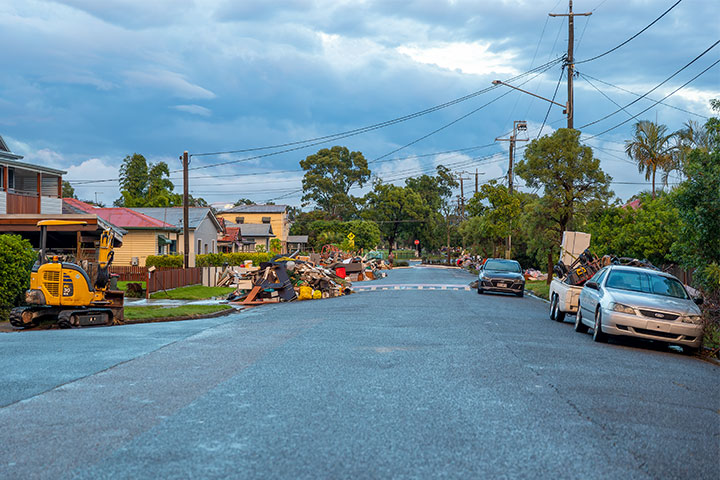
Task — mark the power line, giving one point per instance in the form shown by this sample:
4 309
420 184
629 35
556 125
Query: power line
551 105
654 88
631 38
654 104
357 131
638 95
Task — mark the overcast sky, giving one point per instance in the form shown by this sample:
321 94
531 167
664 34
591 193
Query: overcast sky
86 82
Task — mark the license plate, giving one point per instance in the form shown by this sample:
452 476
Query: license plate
659 327
502 285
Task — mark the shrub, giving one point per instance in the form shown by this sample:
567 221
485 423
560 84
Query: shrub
16 259
234 259
166 261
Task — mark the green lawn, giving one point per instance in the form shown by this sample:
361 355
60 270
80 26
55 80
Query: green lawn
539 288
149 313
123 285
192 292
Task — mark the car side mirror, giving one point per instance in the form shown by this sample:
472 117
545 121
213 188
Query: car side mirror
593 285
699 300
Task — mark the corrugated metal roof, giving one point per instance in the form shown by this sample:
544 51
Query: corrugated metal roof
297 238
256 230
257 209
120 216
174 215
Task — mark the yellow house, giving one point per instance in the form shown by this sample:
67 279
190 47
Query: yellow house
145 235
275 215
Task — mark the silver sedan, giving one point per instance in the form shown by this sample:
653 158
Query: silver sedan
639 302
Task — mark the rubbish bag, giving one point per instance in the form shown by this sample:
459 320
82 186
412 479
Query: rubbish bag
306 293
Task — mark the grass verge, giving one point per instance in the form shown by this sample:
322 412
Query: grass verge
539 288
154 312
192 292
123 285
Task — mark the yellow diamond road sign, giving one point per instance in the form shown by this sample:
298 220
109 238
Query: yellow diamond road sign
351 236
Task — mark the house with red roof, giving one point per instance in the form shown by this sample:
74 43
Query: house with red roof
145 235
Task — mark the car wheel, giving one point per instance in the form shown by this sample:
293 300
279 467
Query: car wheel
580 327
559 314
521 293
480 291
553 306
598 335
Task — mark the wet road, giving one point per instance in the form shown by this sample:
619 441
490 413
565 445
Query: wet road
415 381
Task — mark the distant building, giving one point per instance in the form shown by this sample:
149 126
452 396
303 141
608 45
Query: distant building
145 235
27 188
204 228
276 216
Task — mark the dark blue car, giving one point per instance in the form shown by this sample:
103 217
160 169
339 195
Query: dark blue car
500 275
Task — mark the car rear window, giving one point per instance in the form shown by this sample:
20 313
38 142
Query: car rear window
501 266
646 283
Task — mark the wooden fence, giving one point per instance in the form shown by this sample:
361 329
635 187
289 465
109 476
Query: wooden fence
129 274
167 278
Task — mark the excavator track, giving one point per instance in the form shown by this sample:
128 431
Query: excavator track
16 317
84 317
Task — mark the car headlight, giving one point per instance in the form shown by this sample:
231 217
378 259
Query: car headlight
696 319
619 307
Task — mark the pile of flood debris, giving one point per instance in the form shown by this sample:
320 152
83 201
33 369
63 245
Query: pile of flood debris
286 278
588 264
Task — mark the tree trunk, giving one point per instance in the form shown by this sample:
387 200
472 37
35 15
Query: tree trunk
550 268
448 242
653 182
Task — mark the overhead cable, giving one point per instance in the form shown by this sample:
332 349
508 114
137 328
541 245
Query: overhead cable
631 38
654 88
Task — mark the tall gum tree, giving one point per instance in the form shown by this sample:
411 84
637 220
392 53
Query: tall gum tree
329 176
571 179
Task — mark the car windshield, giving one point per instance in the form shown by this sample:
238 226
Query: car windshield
646 283
502 266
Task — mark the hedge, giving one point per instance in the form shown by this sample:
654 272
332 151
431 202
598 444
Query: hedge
167 261
16 259
235 259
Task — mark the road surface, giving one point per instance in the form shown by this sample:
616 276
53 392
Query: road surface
422 379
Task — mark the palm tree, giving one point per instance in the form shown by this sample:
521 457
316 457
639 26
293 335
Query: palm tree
651 148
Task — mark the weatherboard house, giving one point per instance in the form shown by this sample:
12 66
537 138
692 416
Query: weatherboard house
27 188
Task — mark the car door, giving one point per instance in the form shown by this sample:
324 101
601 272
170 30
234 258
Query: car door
590 297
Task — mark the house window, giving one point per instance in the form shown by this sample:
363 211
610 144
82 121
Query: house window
239 219
2 177
11 178
213 247
206 249
265 219
199 247
173 247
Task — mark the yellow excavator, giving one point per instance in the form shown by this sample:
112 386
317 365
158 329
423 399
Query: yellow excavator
64 291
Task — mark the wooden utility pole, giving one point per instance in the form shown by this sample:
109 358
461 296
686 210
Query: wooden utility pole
570 62
461 203
476 179
518 126
186 212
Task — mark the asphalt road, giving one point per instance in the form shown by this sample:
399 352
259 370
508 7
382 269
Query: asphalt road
413 382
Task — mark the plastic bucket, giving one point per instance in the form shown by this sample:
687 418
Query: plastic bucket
340 272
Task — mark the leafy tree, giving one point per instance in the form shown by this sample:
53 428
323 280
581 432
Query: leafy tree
500 218
322 232
646 233
329 175
275 245
243 201
67 190
698 203
143 185
651 148
392 207
573 185
16 259
435 191
568 173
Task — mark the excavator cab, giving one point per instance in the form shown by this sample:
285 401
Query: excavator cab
66 291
